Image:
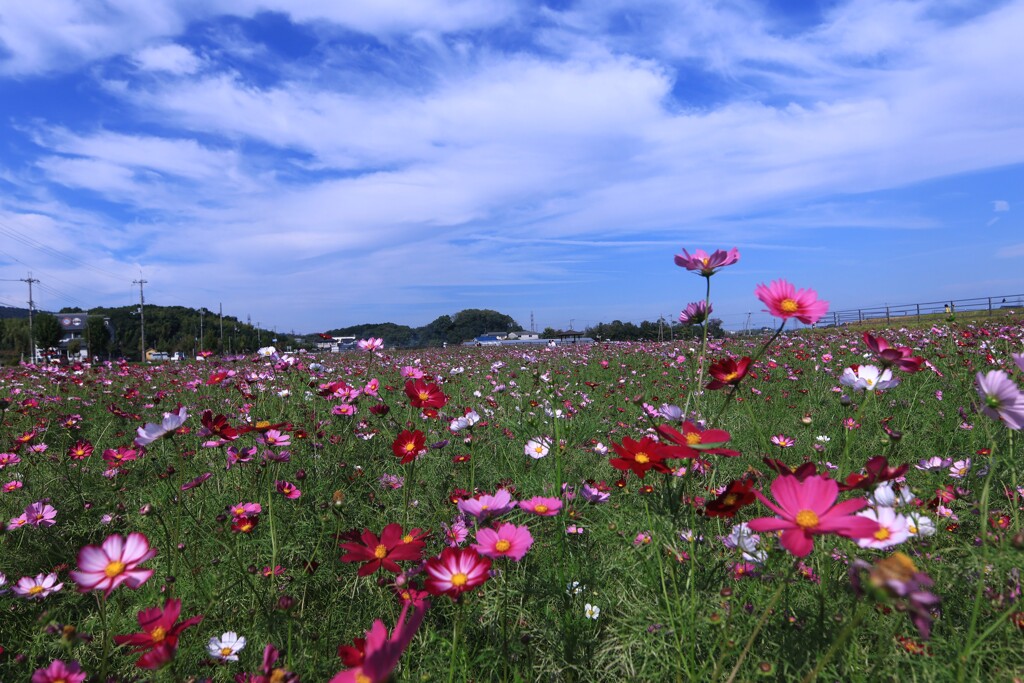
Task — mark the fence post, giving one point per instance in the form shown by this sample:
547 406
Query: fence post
918 312
886 315
835 319
860 316
990 307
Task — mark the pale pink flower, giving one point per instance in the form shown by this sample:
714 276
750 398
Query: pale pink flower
506 540
115 562
37 587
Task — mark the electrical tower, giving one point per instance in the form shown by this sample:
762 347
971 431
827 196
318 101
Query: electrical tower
142 317
31 305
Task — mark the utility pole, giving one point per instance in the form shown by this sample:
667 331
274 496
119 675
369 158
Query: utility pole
220 310
259 336
142 316
533 324
31 305
201 311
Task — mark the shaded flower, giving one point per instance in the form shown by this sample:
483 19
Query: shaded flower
115 562
727 372
1001 399
37 587
382 553
158 638
695 313
59 672
378 652
151 432
896 577
226 647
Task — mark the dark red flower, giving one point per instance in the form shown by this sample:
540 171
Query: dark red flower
728 372
902 357
738 493
159 635
391 547
693 442
408 445
217 426
639 456
805 470
877 470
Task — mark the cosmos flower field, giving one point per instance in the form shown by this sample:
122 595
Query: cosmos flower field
833 507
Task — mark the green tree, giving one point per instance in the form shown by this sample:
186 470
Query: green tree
46 330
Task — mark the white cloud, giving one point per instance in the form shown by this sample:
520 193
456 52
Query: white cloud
1000 205
171 58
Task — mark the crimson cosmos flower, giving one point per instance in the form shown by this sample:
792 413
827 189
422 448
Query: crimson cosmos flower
728 372
455 571
692 442
900 357
423 395
408 445
376 656
385 552
640 456
737 494
877 470
159 636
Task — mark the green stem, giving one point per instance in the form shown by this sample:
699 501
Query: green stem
837 644
756 631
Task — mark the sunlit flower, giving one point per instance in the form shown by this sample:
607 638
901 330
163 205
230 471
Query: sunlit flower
487 505
538 447
1001 399
151 432
370 345
704 264
808 508
115 562
591 611
505 540
455 571
37 587
727 372
226 647
785 301
892 528
382 553
868 378
541 506
379 654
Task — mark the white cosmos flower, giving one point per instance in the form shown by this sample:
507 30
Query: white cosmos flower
893 528
868 378
538 448
591 611
227 647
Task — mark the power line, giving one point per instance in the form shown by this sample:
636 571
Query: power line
14 234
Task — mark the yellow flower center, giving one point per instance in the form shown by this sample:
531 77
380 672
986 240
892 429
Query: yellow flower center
502 546
35 590
407 538
641 458
730 377
363 678
882 533
692 438
424 396
225 651
789 306
542 508
158 634
459 579
113 569
704 261
380 552
410 447
807 519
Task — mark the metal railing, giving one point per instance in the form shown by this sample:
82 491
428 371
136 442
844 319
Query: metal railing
888 312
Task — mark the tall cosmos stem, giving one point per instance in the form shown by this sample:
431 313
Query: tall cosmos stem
456 629
703 346
106 636
753 359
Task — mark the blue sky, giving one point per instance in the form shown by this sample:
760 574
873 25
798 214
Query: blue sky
315 164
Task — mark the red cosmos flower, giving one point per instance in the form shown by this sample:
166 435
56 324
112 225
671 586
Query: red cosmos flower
728 372
218 426
423 395
409 445
159 636
900 357
80 451
455 571
693 442
640 456
244 524
384 552
877 470
802 472
737 494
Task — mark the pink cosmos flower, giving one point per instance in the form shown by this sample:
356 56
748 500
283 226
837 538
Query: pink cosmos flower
506 540
287 489
381 652
703 264
246 509
115 562
695 313
8 459
455 571
274 437
17 522
487 505
1001 399
151 432
59 672
370 345
806 508
541 506
785 301
37 587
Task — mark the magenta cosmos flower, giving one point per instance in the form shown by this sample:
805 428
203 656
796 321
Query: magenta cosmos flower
506 540
487 505
59 672
695 313
703 264
380 652
806 508
785 301
455 571
1001 399
544 507
115 562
